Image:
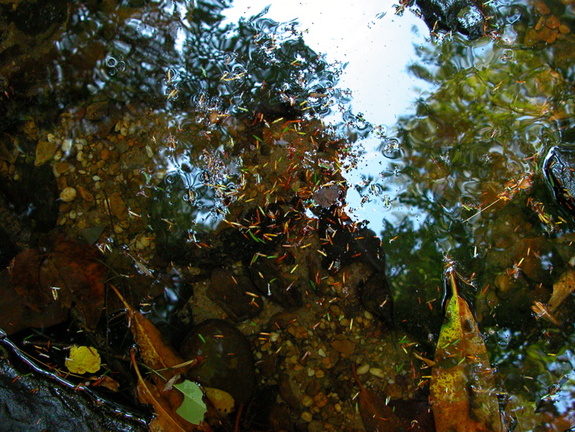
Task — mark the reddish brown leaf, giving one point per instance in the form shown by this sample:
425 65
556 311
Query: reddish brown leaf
376 414
155 353
68 274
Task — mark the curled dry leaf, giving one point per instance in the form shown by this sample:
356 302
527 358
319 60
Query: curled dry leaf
462 390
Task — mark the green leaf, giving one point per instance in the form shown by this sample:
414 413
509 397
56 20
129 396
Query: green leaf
193 407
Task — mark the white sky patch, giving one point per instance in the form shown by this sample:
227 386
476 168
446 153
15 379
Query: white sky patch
378 46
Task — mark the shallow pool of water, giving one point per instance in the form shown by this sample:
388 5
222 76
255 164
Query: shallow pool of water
210 135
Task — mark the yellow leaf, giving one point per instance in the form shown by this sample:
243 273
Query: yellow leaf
462 390
83 359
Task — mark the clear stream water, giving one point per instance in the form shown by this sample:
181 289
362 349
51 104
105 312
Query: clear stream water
446 138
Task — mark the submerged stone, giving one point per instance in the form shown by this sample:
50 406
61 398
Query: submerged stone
559 170
228 363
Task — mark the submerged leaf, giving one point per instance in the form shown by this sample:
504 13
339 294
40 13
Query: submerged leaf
83 359
193 407
562 289
462 391
156 354
162 401
376 414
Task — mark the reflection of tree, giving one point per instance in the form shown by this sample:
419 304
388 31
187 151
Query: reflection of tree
492 111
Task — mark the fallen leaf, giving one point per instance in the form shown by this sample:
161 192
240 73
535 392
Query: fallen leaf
193 407
562 289
221 400
69 274
155 353
82 359
462 390
162 401
376 414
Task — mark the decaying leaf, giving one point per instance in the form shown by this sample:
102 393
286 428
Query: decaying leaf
562 289
156 354
164 402
462 390
193 407
376 414
222 401
82 359
69 274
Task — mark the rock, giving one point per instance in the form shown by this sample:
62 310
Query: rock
376 298
558 169
463 16
45 152
68 194
228 363
275 284
235 294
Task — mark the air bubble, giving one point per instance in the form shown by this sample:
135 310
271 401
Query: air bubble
111 62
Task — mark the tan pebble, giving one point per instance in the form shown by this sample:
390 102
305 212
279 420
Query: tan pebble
307 401
62 167
118 229
344 322
363 369
552 22
85 194
344 346
80 156
306 416
73 214
96 178
68 194
45 151
321 352
377 372
319 374
66 145
367 315
563 29
337 407
320 399
105 154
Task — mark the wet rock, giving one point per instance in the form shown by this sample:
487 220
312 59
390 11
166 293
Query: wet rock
235 294
275 284
345 242
463 16
558 168
54 403
228 363
376 298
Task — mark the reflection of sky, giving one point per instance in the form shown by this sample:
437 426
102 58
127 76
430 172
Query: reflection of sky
378 46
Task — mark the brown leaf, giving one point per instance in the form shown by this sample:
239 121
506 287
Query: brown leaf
562 289
462 390
68 274
376 414
165 403
155 353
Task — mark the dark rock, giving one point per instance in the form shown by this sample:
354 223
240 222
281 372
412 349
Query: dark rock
376 298
36 400
559 170
275 284
235 294
228 363
345 242
463 16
